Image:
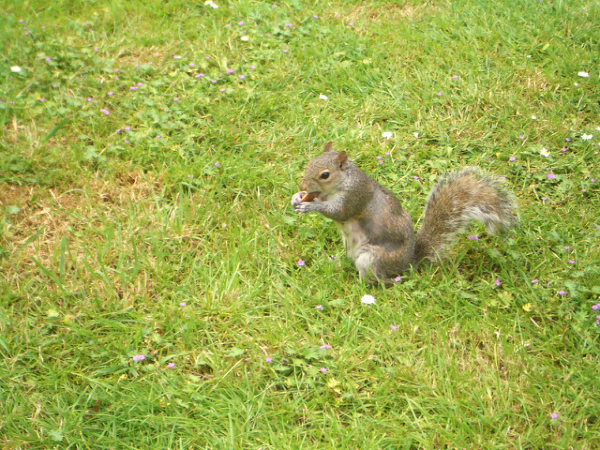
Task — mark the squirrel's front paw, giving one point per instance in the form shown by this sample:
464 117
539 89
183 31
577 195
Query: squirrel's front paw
305 207
297 198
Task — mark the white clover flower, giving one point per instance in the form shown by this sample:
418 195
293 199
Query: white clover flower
387 135
323 97
245 38
15 69
214 6
587 137
544 152
533 118
208 2
583 74
368 299
416 135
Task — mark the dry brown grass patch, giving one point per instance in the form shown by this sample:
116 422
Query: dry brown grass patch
58 212
387 13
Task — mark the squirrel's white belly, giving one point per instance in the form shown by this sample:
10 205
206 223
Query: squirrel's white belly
355 241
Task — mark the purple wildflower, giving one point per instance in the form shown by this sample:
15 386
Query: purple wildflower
171 365
137 358
473 238
393 327
512 159
325 347
561 292
105 111
301 262
323 369
269 359
319 306
551 176
497 282
554 416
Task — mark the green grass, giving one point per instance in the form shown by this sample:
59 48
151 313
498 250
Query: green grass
104 233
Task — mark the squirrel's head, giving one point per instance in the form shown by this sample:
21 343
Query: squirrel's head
324 173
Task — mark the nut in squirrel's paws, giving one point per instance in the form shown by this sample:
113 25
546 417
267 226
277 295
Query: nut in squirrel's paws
309 197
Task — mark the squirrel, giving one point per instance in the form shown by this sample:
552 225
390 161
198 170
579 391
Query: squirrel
378 233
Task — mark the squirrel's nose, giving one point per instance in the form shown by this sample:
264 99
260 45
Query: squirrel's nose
309 186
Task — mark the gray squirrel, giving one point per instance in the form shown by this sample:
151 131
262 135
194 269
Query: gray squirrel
378 233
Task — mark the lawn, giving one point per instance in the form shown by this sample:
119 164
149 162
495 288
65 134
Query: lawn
157 289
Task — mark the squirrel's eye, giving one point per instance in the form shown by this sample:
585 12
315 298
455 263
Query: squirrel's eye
324 175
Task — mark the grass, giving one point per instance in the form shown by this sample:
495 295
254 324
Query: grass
115 242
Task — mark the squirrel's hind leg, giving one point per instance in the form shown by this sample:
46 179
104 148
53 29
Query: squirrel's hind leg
372 269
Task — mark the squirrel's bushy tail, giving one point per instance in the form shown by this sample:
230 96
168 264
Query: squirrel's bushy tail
458 199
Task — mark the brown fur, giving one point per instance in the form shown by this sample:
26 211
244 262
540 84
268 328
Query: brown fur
378 232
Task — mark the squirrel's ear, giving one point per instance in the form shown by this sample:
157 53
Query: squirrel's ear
327 147
341 159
